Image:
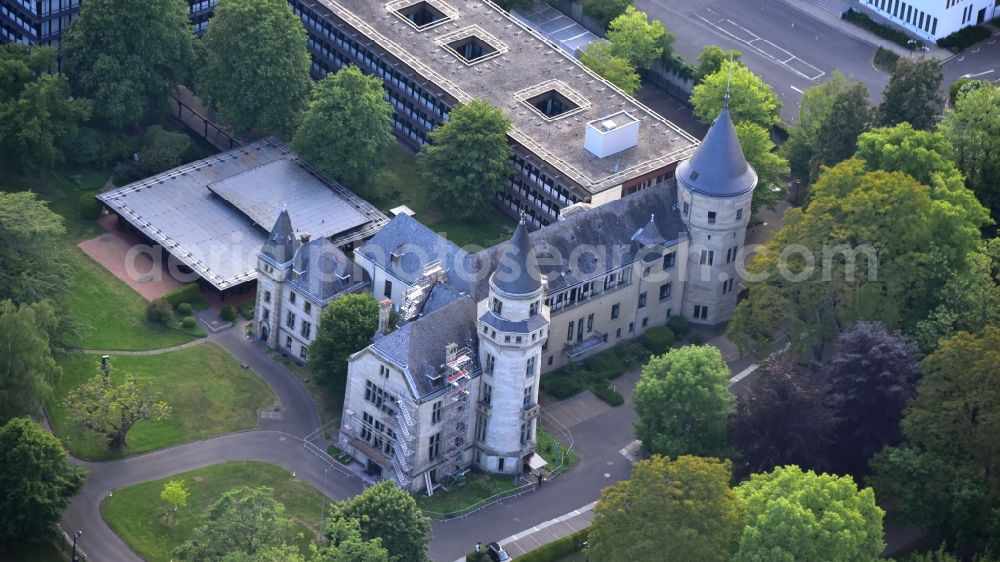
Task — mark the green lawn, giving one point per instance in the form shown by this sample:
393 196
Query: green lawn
208 390
114 315
137 514
403 186
473 488
37 552
62 187
560 461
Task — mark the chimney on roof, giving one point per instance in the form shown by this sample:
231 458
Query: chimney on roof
384 309
304 237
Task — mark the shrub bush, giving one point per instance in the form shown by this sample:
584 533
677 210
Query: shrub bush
608 394
964 38
557 549
658 340
158 137
228 313
185 308
247 311
696 340
480 556
891 33
188 293
679 326
84 148
565 382
90 207
189 322
115 146
159 311
885 59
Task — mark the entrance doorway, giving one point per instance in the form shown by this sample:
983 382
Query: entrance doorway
374 469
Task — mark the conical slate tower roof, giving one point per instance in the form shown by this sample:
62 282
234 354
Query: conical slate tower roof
649 235
718 168
281 242
517 269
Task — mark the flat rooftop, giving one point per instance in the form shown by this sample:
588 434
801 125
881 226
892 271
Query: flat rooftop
208 213
472 49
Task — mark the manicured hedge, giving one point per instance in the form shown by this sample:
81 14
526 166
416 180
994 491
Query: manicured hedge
595 372
885 59
964 38
658 339
679 326
189 322
557 549
608 394
228 313
884 31
188 293
184 308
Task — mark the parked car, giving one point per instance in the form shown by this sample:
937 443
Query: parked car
497 553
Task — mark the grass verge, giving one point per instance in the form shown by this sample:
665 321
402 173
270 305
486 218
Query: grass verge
114 315
208 390
138 515
399 183
560 457
467 492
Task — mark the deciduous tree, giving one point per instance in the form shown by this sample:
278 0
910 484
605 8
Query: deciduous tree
913 94
256 67
670 510
793 515
711 58
771 166
27 369
872 377
37 112
37 481
605 10
387 512
620 72
817 103
128 56
243 522
347 545
782 418
837 135
683 403
32 253
111 410
175 494
636 39
750 98
468 159
346 326
346 127
973 129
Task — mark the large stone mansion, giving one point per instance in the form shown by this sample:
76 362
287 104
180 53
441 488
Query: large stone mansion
455 384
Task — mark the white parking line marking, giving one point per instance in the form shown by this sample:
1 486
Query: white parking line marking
797 90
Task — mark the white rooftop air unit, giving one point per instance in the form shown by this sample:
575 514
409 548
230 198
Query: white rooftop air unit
612 134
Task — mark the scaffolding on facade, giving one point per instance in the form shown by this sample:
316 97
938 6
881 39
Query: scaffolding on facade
415 296
458 370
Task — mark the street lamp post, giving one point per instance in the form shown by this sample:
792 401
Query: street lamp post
76 536
322 520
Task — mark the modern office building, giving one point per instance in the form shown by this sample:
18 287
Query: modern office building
930 20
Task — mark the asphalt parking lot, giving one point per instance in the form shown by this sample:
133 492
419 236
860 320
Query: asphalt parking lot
981 62
789 49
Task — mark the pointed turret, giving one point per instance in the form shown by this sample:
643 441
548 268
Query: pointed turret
718 168
649 235
517 269
281 242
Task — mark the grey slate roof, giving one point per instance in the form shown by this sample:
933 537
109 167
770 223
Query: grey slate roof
441 296
321 271
718 167
517 269
513 326
404 246
649 235
606 231
419 346
281 241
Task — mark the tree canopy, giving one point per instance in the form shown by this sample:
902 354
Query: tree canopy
683 403
617 70
973 129
37 112
347 545
678 510
243 522
37 481
256 67
914 94
782 418
345 327
128 56
793 515
110 410
387 512
346 127
711 58
940 477
871 245
837 135
750 98
605 10
817 103
468 159
771 166
33 252
872 377
636 39
28 371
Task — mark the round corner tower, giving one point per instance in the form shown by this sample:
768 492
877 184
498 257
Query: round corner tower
513 326
714 191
